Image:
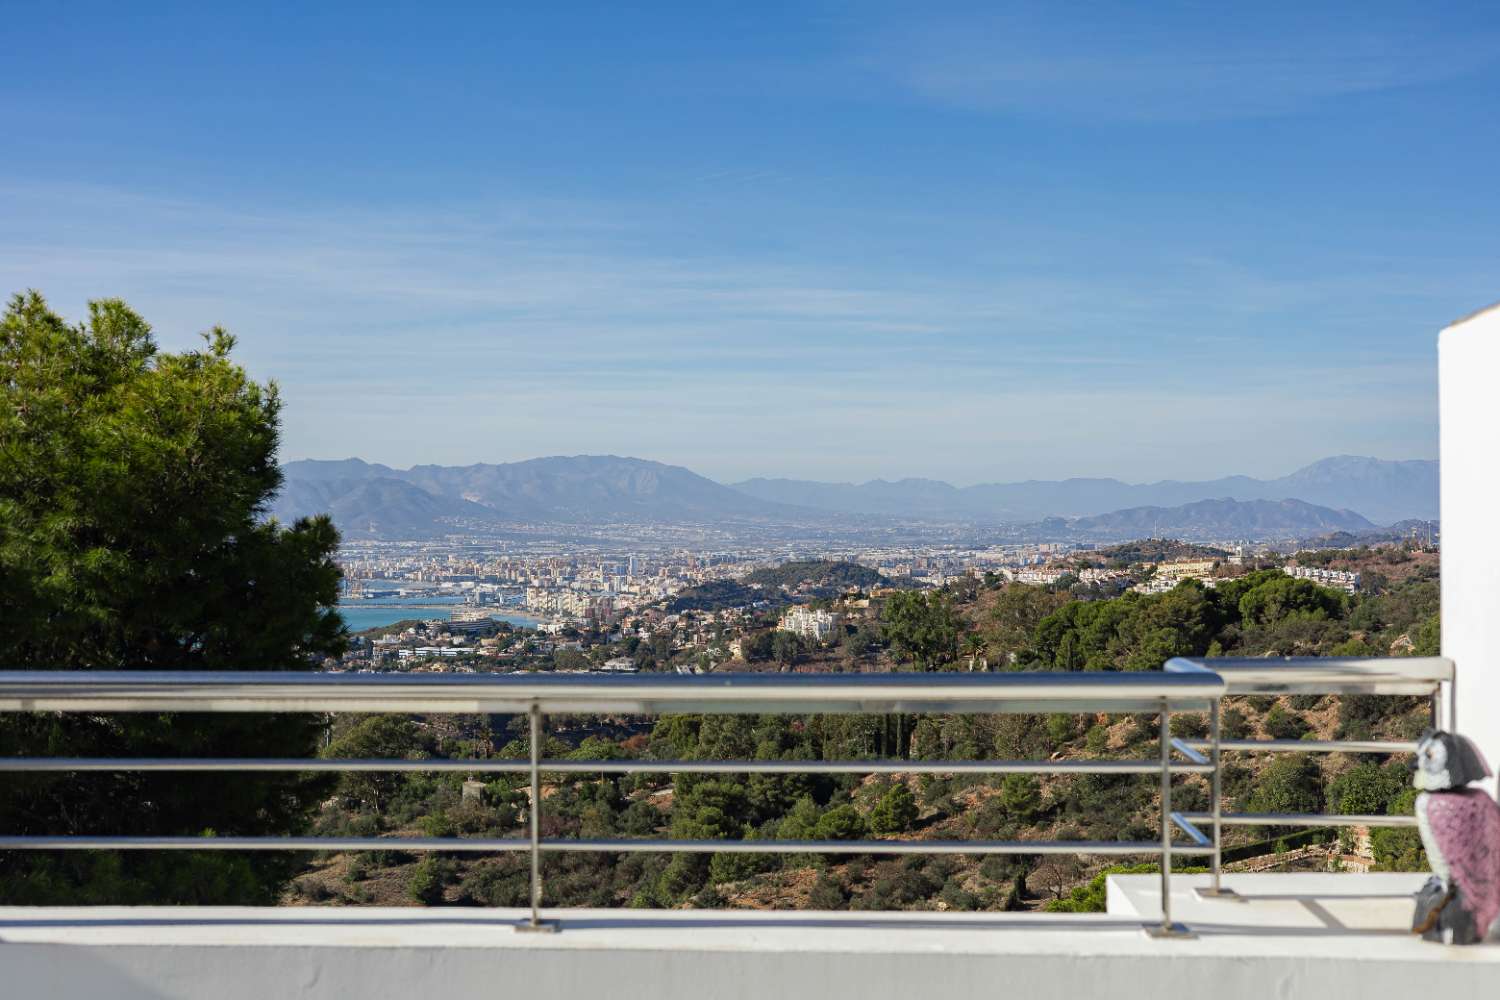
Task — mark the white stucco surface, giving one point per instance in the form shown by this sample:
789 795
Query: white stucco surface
1469 404
230 953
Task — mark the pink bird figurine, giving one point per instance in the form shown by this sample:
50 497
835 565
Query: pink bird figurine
1460 829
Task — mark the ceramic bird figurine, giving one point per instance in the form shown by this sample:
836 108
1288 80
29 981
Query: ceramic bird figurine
1460 829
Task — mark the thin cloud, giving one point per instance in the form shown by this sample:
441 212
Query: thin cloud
389 330
1167 62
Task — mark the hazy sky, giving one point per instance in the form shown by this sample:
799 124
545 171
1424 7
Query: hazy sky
825 241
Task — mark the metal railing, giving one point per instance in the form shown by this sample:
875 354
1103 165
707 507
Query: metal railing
1186 685
537 695
1424 676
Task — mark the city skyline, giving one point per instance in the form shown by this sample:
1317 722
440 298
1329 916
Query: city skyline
820 244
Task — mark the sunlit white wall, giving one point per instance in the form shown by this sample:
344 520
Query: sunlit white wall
1469 395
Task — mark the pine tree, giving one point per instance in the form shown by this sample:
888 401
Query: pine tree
134 486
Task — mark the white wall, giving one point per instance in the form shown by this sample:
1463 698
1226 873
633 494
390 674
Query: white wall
1469 401
372 953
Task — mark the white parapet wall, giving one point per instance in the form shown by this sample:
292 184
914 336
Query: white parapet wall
1469 404
1332 949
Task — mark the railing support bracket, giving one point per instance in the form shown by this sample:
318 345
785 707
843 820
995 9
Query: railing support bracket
540 927
1169 932
1208 892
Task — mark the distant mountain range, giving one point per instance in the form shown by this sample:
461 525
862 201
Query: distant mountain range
1223 518
1381 490
371 500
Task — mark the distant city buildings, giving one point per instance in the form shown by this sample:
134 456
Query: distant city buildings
1036 577
581 596
1338 579
809 624
619 665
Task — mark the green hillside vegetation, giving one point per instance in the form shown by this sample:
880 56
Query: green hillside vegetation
1261 613
819 573
1149 550
716 595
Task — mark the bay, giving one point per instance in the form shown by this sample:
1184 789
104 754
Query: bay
373 614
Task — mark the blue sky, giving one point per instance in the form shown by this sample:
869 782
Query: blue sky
975 243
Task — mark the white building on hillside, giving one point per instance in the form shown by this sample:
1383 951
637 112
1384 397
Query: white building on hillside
810 624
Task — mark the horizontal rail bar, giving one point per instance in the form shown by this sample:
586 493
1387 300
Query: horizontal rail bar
1186 826
487 845
72 764
648 694
1302 819
1104 847
1402 675
102 843
1313 746
1187 751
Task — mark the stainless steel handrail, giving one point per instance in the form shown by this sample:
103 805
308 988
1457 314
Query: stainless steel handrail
1425 676
649 694
569 766
538 695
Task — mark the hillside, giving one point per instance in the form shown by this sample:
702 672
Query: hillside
377 500
716 595
1224 518
1383 491
1259 614
1146 550
585 489
817 573
379 507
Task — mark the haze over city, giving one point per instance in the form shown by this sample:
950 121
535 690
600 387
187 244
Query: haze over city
825 242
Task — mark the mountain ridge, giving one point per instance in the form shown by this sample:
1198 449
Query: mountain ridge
1380 489
374 500
1223 518
570 489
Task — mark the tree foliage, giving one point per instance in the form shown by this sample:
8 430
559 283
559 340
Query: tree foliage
133 486
895 812
922 627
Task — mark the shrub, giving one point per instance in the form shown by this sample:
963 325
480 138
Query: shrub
957 897
841 823
505 883
685 874
1285 725
732 867
1097 739
1189 726
1291 784
708 898
1365 789
1061 728
1020 797
895 812
1233 725
828 894
427 879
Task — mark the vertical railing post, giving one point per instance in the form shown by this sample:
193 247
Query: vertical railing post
536 923
1215 888
1216 791
1166 929
1166 817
